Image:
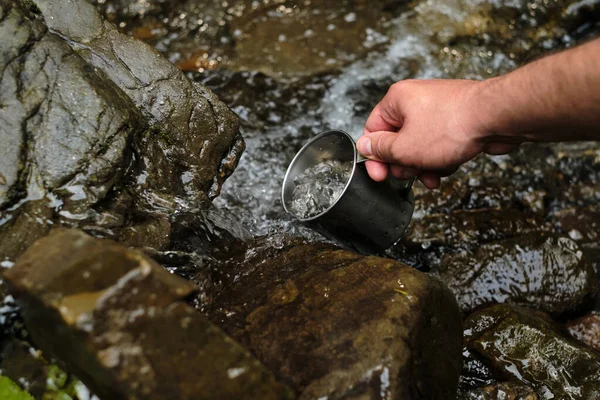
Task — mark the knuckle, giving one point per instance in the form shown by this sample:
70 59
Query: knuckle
403 85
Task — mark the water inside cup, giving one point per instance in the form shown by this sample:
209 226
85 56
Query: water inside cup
319 187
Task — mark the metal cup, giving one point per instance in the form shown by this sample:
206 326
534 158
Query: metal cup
369 216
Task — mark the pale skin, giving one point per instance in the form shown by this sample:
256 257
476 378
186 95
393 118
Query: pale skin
428 128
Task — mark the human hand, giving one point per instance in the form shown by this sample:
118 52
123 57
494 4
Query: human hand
428 128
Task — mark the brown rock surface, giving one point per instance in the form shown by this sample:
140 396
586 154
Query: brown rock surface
339 325
117 320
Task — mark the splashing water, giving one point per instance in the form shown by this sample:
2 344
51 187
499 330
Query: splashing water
319 187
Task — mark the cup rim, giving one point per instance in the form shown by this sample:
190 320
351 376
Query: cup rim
300 152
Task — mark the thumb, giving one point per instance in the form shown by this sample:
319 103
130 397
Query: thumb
382 146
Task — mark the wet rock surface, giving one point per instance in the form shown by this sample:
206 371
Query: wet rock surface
501 391
526 345
117 319
467 227
339 325
19 364
586 329
549 273
101 132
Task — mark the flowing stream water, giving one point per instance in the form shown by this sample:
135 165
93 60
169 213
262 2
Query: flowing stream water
471 39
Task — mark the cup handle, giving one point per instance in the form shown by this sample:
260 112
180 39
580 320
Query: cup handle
408 187
360 158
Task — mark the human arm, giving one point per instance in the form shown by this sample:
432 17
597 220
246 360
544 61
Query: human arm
428 128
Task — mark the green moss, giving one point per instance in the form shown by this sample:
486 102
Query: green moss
57 378
11 391
164 135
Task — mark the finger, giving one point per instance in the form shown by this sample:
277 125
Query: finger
378 171
404 173
496 149
430 179
446 171
380 146
379 121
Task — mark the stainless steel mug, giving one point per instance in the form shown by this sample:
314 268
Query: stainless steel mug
369 216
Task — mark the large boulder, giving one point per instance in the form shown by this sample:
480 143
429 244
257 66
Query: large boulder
546 272
65 135
339 325
199 132
117 320
100 131
526 345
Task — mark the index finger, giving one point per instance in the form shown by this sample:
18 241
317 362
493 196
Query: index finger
380 122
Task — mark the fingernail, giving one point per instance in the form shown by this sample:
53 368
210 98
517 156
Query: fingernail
364 146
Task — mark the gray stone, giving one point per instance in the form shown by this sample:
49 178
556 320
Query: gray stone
198 130
100 131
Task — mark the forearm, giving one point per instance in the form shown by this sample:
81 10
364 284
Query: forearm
552 99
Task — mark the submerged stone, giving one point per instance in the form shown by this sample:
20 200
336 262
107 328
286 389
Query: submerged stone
467 228
586 329
271 36
525 345
549 273
117 320
338 325
501 391
582 224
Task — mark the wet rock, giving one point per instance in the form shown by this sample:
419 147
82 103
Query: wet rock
101 132
525 345
469 227
549 273
581 224
586 329
66 131
198 130
339 325
117 320
27 366
475 374
501 391
576 196
19 364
